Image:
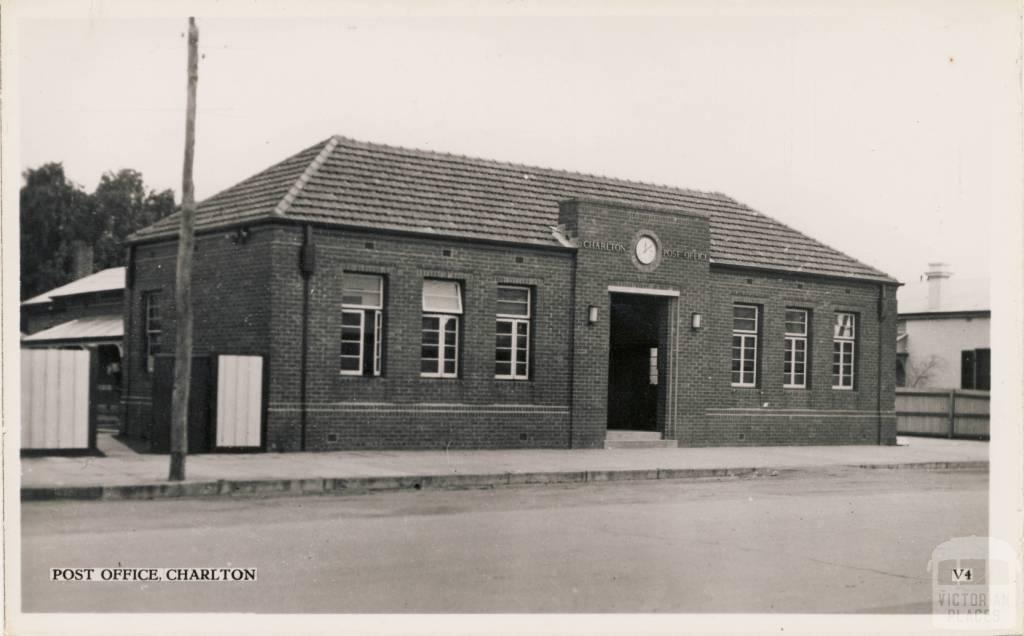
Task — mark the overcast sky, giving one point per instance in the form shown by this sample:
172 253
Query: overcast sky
873 128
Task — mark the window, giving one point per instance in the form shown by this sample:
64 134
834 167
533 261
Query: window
744 345
153 328
442 306
844 339
794 369
975 369
362 324
652 370
512 333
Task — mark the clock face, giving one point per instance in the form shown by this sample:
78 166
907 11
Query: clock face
646 250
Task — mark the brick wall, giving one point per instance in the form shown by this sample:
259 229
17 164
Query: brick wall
400 409
249 300
770 414
231 308
607 234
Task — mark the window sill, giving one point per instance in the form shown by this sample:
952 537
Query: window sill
744 386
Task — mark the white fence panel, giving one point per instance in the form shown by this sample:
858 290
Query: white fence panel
54 399
239 401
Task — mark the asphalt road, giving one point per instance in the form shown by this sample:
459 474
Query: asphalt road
846 541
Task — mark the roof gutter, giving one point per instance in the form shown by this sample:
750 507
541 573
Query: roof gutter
877 280
286 220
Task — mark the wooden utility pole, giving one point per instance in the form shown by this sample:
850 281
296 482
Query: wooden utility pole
183 285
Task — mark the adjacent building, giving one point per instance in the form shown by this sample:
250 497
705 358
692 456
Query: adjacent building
408 299
86 313
944 332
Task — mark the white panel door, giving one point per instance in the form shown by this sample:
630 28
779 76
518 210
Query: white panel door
239 401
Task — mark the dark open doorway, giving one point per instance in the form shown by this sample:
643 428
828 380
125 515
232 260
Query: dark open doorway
637 349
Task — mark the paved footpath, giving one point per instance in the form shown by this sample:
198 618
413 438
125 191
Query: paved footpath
124 474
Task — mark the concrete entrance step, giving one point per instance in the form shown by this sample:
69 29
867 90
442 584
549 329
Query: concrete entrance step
637 439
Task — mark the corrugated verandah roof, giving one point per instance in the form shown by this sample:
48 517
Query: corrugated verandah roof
347 182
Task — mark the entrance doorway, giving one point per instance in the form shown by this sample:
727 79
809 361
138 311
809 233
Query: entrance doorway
636 362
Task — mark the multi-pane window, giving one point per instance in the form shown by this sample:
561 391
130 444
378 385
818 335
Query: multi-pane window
152 326
794 370
362 324
844 342
744 345
442 306
512 333
652 368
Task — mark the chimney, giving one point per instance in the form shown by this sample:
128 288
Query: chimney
81 259
937 272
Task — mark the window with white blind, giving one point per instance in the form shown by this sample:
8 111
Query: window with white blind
362 324
442 308
794 369
512 333
844 345
744 345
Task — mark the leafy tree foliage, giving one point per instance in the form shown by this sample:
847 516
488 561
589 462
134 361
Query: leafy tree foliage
122 206
55 212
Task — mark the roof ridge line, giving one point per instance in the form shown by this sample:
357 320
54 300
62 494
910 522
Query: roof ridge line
712 195
282 206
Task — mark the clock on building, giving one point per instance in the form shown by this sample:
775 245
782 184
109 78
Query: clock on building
646 250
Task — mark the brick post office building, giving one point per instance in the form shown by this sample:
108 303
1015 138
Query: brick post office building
408 299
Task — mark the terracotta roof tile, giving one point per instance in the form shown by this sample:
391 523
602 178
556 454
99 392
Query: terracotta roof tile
385 187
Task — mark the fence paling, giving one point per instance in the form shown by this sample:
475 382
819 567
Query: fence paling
952 413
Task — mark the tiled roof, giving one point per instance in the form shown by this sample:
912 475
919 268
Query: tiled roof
957 294
368 185
104 280
81 329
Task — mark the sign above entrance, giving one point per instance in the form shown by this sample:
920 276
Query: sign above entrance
604 246
643 250
690 255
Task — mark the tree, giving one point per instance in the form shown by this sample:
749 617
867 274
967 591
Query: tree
53 213
921 372
123 206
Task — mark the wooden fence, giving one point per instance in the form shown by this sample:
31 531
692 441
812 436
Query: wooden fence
936 413
57 411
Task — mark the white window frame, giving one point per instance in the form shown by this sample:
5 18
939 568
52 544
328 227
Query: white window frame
148 298
362 329
363 309
515 320
746 336
378 341
444 318
790 352
847 345
442 323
